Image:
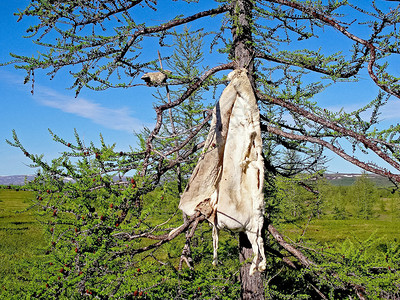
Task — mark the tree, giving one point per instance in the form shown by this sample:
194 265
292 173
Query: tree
100 43
365 195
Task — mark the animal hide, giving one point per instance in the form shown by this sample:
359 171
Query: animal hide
156 78
227 183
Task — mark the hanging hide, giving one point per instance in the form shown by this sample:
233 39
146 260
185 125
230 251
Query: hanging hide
227 183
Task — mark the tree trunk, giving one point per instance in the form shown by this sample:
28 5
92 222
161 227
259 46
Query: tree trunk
242 45
243 54
251 286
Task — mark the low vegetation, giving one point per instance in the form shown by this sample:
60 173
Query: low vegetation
22 243
360 250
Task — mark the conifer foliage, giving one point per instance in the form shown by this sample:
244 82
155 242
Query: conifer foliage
108 213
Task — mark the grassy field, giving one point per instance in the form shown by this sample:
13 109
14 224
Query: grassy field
384 225
336 231
21 241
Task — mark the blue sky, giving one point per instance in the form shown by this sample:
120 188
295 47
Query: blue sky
116 114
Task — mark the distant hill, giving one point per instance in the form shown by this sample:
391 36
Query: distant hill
338 179
15 179
346 179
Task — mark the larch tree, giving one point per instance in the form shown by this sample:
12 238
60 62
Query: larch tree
97 222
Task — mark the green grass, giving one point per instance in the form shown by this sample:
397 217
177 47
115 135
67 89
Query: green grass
23 244
336 231
384 223
21 241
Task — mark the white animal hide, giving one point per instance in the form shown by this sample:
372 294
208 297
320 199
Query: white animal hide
227 182
156 78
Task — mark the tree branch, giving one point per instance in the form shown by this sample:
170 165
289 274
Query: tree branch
195 219
330 21
288 247
171 24
336 150
348 74
373 145
159 109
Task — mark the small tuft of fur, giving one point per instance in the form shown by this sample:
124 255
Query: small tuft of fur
156 78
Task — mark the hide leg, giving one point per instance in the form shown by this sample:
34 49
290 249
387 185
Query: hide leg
215 235
263 263
253 239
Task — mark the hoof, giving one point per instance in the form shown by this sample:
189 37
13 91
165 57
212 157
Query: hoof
262 267
252 269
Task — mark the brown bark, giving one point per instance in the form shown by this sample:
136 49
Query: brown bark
251 286
288 247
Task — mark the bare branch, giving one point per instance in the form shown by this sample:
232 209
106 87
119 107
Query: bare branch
288 247
173 234
348 74
336 150
329 124
171 24
159 109
335 24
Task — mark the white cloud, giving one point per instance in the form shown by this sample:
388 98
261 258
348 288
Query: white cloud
113 118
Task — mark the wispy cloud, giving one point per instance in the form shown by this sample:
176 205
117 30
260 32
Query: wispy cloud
113 118
391 110
117 118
